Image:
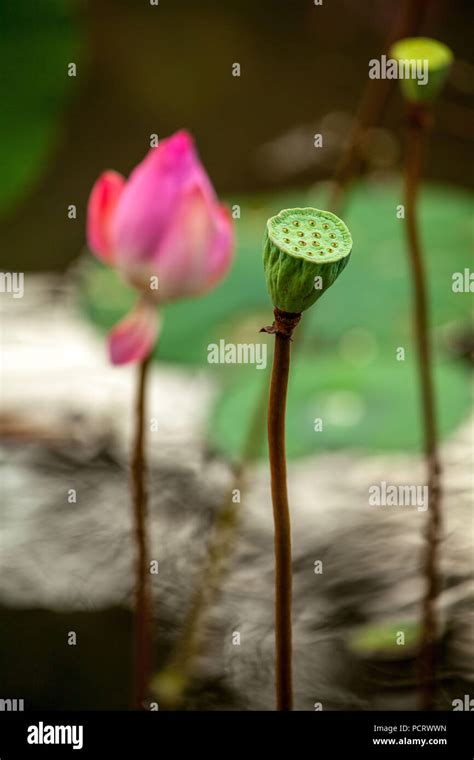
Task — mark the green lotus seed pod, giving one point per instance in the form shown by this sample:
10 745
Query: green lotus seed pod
305 251
428 62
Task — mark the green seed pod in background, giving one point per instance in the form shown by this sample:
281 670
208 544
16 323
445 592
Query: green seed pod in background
305 250
438 59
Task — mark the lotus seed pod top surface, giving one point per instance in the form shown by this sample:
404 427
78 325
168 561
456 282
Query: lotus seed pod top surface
438 57
310 234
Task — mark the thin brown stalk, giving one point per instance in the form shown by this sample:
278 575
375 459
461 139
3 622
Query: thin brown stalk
429 634
282 328
142 638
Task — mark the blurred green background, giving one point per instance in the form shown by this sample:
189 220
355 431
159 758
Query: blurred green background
144 70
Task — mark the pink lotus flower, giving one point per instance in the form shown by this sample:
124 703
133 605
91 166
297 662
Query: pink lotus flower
165 232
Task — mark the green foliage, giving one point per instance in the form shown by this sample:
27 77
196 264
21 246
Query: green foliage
371 406
381 640
37 42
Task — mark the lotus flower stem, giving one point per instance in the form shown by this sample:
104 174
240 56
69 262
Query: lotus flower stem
283 328
416 135
142 640
437 59
281 517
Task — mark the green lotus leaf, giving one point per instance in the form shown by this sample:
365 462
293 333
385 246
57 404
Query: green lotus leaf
381 641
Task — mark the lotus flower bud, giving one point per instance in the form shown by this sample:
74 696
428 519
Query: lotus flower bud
166 233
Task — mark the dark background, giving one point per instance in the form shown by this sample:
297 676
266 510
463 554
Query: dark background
144 69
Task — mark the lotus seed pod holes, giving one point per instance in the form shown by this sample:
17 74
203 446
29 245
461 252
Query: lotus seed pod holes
310 234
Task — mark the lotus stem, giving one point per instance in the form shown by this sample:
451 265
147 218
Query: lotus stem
418 122
142 638
283 328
